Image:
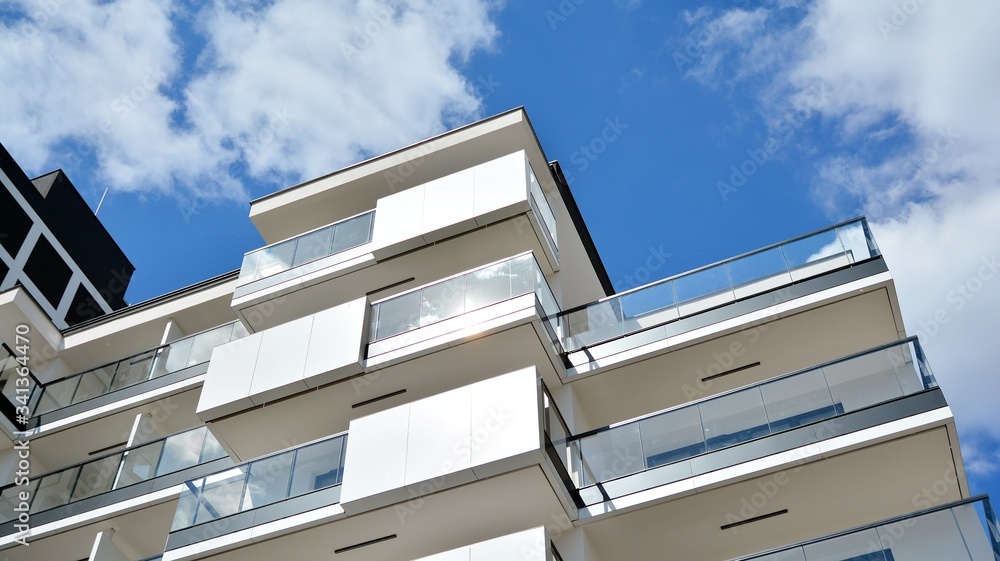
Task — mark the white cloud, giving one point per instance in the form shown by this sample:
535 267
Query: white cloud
908 88
285 90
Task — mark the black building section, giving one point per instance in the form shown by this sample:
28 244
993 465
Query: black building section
14 223
67 215
48 271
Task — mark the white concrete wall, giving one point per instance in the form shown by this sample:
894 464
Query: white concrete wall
528 545
452 204
449 439
287 359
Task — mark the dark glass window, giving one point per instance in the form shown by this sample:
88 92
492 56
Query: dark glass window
84 307
14 223
48 271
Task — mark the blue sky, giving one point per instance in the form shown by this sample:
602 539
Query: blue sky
690 131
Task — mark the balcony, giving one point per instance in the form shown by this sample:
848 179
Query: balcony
110 479
261 491
755 281
458 221
961 531
314 250
128 377
418 343
797 409
459 304
386 484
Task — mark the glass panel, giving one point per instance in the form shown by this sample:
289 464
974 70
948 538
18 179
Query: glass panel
212 449
974 532
522 275
855 242
862 381
140 464
790 555
595 323
672 436
543 207
860 546
175 356
133 370
798 400
268 481
759 271
317 466
734 418
275 259
57 395
707 284
353 232
220 495
611 454
651 306
907 374
487 286
813 255
54 490
248 267
11 499
313 246
398 315
97 477
187 505
931 536
652 298
181 451
442 301
203 344
94 383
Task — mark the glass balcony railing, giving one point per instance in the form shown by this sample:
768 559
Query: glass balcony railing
148 365
15 394
543 208
961 531
462 294
114 471
311 246
774 406
262 482
708 287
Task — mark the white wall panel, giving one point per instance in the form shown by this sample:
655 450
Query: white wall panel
336 343
448 207
281 361
227 384
439 436
499 185
376 455
431 444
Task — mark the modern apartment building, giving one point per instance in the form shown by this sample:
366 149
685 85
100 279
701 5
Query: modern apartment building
427 361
